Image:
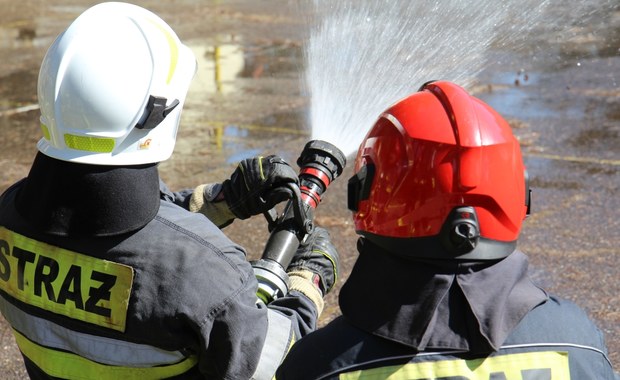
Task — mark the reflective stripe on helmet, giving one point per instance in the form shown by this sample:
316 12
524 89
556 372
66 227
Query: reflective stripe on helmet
46 132
174 50
89 144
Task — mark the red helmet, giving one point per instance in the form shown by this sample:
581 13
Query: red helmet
440 174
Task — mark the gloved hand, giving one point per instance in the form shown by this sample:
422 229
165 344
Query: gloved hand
257 185
316 264
208 200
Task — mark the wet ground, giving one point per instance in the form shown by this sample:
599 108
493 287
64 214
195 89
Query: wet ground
564 106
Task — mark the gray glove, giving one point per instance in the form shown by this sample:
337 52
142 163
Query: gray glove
257 185
319 256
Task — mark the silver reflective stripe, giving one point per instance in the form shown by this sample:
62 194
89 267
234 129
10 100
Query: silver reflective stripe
103 350
393 120
277 343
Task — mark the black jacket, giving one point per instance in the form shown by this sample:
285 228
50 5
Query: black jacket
429 320
104 275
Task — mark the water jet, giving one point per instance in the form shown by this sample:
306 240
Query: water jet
362 56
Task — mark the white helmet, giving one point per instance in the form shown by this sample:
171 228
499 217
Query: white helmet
112 86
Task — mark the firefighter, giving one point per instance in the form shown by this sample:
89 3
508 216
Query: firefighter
439 290
104 272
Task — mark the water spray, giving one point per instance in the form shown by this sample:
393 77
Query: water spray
320 164
362 56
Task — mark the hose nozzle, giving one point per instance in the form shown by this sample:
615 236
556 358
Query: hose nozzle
320 164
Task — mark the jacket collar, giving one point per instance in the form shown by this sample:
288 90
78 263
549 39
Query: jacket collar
66 199
438 304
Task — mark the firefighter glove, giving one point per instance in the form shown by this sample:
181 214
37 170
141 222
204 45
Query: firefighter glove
206 200
318 256
258 184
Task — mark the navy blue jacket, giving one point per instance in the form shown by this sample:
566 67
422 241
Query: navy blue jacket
103 274
405 319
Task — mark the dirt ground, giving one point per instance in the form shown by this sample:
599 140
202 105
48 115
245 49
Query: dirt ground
246 100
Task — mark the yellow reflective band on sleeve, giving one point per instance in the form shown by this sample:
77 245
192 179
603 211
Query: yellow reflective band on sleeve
549 365
71 366
89 144
64 282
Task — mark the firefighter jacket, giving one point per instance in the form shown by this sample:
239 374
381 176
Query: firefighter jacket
426 320
102 277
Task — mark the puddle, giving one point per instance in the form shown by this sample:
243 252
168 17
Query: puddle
218 68
222 65
511 94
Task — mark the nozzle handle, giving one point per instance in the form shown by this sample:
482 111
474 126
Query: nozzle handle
320 164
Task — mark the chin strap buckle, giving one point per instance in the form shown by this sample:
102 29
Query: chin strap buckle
156 111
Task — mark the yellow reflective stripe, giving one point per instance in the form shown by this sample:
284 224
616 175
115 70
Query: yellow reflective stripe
334 265
71 366
46 132
260 167
89 144
64 282
553 364
174 49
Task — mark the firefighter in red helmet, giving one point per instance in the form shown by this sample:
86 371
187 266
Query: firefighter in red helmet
439 290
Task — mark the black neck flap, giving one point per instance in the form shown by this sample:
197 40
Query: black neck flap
438 304
66 199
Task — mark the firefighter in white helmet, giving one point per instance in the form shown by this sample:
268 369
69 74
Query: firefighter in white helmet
107 274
